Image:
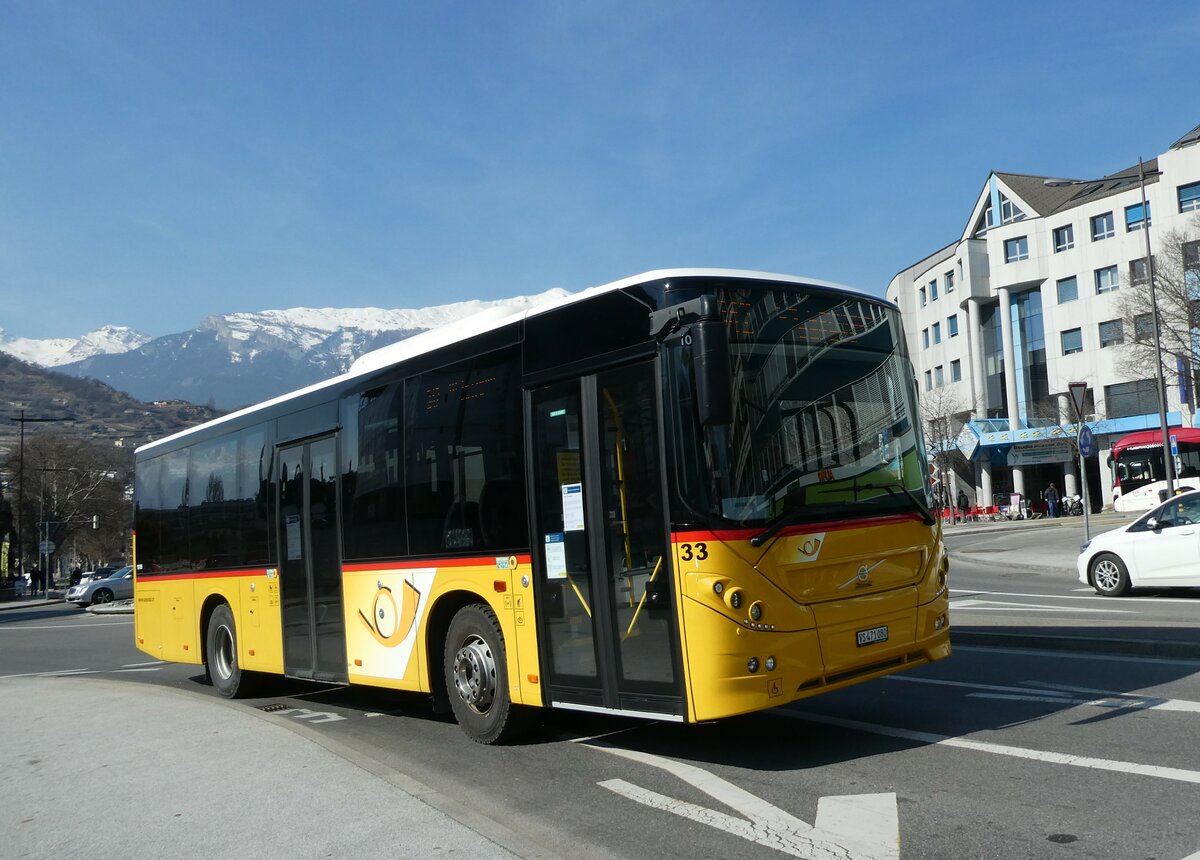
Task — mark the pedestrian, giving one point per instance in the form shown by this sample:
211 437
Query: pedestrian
963 504
38 579
1051 497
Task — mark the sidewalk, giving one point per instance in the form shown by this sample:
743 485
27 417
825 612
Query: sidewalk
106 768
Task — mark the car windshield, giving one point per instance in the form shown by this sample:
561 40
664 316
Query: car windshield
825 422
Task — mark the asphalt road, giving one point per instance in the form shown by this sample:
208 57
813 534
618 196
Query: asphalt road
997 752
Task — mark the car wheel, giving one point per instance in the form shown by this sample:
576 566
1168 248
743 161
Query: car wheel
1109 575
476 676
102 595
221 656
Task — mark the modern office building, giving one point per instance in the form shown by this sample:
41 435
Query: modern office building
1028 299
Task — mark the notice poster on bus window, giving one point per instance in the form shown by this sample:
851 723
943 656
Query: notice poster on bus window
556 556
293 537
572 507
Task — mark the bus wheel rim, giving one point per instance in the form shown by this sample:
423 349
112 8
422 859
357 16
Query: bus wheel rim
223 652
475 674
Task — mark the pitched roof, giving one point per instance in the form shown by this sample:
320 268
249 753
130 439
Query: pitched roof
1191 137
1049 199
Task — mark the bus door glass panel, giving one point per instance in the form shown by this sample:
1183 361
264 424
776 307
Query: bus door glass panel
566 586
638 577
309 563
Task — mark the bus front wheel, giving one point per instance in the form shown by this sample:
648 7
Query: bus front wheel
221 656
476 674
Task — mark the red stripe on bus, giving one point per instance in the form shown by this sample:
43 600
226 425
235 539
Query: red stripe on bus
482 561
201 574
801 529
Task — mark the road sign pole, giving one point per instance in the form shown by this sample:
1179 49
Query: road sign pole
1080 442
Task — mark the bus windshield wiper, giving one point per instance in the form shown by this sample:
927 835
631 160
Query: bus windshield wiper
780 522
891 487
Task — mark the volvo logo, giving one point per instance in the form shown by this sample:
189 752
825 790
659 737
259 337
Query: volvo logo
863 576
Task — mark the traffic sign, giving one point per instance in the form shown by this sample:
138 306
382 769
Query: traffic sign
1078 395
46 547
1087 442
1174 446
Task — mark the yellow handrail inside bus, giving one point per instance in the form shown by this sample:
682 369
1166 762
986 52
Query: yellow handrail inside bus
636 612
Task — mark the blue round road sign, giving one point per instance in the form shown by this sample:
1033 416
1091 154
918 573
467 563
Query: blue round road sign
1087 442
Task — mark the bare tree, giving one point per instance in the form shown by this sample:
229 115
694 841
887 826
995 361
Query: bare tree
76 496
944 414
1177 294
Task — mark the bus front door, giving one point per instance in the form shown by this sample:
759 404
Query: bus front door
314 641
605 595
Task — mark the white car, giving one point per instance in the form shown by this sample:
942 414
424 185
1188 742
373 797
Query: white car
116 586
1160 548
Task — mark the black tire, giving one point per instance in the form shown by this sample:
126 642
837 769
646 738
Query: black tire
221 656
475 669
1109 575
102 595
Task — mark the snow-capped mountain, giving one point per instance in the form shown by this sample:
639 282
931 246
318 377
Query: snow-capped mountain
52 352
235 359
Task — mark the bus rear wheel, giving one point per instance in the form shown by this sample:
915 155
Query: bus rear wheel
476 674
221 656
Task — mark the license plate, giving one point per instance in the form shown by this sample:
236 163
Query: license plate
870 637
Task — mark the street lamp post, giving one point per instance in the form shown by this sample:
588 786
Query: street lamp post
1160 383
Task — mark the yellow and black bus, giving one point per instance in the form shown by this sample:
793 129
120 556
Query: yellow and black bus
684 495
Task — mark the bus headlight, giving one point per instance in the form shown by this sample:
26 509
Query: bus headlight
752 665
770 664
734 597
756 611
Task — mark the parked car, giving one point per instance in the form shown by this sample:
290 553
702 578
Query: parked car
98 573
1160 548
118 585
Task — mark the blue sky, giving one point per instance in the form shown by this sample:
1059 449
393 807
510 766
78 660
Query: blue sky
163 161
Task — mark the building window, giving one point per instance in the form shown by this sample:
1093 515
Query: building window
1134 218
1126 399
1143 328
1068 290
952 326
937 332
922 297
925 338
1138 274
956 371
1189 197
1107 280
1111 333
929 380
933 290
1102 227
1016 249
1072 341
939 377
948 280
1009 211
1064 238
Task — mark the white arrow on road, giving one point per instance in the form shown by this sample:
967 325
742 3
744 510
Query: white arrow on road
849 827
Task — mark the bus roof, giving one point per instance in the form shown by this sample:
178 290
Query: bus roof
494 318
1154 438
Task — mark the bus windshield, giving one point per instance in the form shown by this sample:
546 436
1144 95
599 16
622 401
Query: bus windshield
825 420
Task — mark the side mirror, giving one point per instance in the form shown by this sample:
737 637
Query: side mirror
1153 524
714 378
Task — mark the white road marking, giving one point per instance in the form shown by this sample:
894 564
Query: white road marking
1125 767
973 592
1067 655
1054 693
314 717
1006 606
150 663
852 827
